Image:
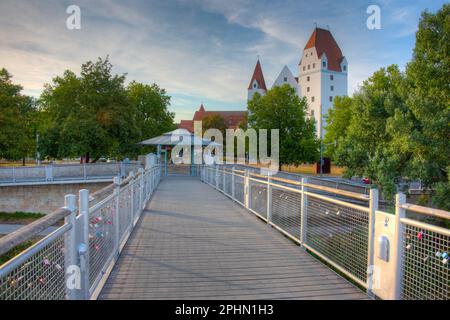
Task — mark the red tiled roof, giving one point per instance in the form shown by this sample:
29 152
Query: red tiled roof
258 76
186 124
324 42
232 118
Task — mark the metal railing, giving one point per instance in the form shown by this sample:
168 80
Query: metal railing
65 172
335 230
333 225
74 261
424 253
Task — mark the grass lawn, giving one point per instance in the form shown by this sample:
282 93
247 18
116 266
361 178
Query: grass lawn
19 217
13 252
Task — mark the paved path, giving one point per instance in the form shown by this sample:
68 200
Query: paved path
192 242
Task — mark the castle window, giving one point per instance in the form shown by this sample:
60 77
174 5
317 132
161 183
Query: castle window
307 78
285 79
332 88
309 66
304 68
307 89
254 85
331 98
314 65
331 77
312 113
324 64
312 99
345 68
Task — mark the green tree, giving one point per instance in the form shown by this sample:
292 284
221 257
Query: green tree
399 124
17 114
281 108
366 147
429 100
338 120
89 115
214 122
151 104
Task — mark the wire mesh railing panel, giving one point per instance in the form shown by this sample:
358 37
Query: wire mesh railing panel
136 187
103 170
40 277
228 183
258 198
63 172
125 215
6 175
213 176
239 189
286 211
220 180
340 233
29 174
339 184
101 238
425 264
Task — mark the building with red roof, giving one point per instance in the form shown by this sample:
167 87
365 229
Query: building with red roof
233 119
322 76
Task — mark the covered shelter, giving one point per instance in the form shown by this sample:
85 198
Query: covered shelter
168 140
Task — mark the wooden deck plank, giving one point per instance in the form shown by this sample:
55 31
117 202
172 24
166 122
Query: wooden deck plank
192 242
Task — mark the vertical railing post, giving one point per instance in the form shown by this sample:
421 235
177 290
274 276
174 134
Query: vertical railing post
49 172
70 250
224 188
400 213
246 190
84 171
303 211
117 182
373 207
269 198
14 174
141 190
217 177
121 169
132 204
232 184
83 243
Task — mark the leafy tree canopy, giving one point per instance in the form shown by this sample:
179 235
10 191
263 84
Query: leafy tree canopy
214 122
398 124
95 115
151 104
17 120
282 109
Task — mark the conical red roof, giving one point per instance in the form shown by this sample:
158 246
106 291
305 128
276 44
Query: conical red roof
259 77
324 42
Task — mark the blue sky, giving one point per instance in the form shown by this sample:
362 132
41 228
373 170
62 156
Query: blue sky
199 50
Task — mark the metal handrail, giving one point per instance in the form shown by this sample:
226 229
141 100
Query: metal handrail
438 213
29 231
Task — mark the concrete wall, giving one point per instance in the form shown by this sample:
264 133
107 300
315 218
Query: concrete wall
41 198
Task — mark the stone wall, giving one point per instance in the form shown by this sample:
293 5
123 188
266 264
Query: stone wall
43 198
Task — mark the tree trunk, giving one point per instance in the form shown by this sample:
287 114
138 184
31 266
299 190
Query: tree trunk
84 158
23 161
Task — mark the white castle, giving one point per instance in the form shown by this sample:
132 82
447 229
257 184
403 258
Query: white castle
322 76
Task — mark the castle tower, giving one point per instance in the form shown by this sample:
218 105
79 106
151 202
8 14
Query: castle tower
322 75
257 83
